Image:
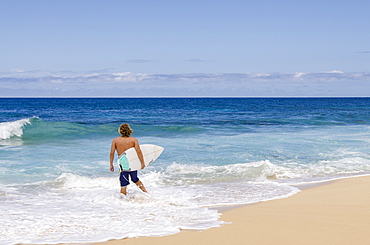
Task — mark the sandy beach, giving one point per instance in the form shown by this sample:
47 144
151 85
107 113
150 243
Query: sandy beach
334 213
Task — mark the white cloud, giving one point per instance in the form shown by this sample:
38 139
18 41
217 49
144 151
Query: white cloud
43 83
335 71
299 75
129 77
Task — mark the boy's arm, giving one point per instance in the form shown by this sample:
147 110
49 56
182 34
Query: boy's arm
111 157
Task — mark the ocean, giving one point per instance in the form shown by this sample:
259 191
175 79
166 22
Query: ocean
56 187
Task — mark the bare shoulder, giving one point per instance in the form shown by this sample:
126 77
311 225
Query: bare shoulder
116 139
133 138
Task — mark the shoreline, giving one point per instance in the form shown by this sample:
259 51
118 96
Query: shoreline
333 212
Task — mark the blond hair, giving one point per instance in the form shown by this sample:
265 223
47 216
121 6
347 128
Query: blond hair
125 130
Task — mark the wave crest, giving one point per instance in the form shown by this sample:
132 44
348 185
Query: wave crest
14 128
254 171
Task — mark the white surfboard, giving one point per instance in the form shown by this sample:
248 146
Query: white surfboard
132 161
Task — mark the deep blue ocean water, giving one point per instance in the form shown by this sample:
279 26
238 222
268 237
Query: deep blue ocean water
55 183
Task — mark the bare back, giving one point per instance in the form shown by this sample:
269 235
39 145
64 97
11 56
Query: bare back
122 144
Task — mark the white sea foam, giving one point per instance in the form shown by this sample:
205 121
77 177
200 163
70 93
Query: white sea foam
181 174
81 209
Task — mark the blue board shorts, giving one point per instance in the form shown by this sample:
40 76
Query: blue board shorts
124 177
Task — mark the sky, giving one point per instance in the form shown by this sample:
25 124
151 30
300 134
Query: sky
141 48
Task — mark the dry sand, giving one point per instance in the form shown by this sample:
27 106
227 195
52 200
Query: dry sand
334 213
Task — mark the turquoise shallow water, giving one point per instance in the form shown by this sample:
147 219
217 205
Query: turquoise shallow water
54 160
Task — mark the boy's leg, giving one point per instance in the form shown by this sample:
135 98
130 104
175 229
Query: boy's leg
124 190
124 181
141 186
136 180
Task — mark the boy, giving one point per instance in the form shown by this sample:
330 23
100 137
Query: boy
121 144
